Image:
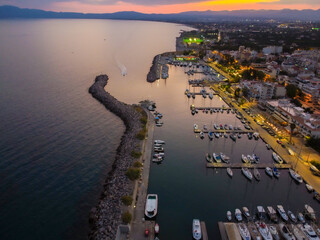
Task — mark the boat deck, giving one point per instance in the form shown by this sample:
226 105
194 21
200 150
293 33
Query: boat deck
248 165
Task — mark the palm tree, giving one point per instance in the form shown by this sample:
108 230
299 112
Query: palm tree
292 127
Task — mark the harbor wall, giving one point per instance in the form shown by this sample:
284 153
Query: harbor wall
105 218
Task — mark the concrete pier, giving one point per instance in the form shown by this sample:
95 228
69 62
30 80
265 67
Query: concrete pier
204 230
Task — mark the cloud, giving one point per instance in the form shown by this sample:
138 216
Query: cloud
294 2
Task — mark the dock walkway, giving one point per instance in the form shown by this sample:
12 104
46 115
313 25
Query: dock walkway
248 165
204 231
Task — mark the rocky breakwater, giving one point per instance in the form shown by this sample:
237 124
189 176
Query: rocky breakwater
154 73
105 218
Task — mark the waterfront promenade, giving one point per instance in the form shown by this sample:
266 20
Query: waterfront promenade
138 224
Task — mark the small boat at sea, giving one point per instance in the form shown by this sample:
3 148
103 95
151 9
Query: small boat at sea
224 158
151 208
159 142
244 232
274 232
310 213
244 158
246 212
272 214
309 188
196 229
277 158
254 231
285 232
282 213
229 172
216 157
292 216
264 231
269 171
209 158
309 231
256 174
229 216
238 215
295 176
301 217
246 172
261 213
276 172
156 228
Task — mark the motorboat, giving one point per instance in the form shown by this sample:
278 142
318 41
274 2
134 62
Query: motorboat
209 158
229 216
193 95
159 154
210 135
157 159
276 172
261 213
216 126
299 235
282 213
295 176
229 172
249 136
189 95
250 159
285 232
246 172
316 228
196 229
158 149
224 158
157 145
309 188
210 95
301 217
230 127
255 158
264 231
269 171
256 135
239 135
225 135
159 142
254 231
246 212
244 158
156 228
268 146
274 232
238 215
244 232
292 216
310 213
159 124
309 231
151 208
205 128
216 157
256 174
233 137
272 214
201 135
277 158
217 135
195 126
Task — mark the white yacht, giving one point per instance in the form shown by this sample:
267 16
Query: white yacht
309 232
295 176
151 208
238 215
264 231
216 157
244 158
310 212
292 216
277 158
301 217
224 158
196 229
274 232
246 212
261 213
299 235
256 174
282 213
229 216
246 172
159 142
255 235
285 232
229 171
269 171
244 232
272 214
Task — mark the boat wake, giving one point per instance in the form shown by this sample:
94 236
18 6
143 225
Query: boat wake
122 67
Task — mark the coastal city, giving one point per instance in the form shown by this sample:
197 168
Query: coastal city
149 120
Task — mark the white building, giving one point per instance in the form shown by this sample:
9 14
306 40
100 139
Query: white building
272 50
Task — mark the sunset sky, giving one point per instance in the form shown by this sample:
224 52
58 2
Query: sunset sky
159 6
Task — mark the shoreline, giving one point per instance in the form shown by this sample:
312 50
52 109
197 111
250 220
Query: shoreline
105 218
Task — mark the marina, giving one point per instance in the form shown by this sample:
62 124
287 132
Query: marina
246 165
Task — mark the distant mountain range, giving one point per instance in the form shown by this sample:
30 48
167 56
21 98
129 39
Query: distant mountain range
205 16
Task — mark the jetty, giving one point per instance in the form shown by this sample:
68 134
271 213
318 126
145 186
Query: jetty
248 165
213 108
204 230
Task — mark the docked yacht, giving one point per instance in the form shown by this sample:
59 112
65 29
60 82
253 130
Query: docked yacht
272 214
255 158
264 231
261 213
299 235
195 126
229 216
196 229
256 174
159 142
244 158
158 149
210 135
246 212
210 95
238 215
254 231
309 232
274 232
224 158
250 159
151 208
269 171
157 159
292 216
256 135
216 157
201 135
268 146
229 171
217 135
209 158
295 176
309 188
276 172
233 137
301 217
277 158
244 232
309 212
285 232
156 228
246 172
282 213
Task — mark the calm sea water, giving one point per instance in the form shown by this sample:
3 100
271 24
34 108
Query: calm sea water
57 143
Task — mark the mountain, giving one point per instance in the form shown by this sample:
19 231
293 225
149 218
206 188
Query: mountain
193 16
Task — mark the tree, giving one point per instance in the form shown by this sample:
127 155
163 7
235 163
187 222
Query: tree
245 92
133 173
237 92
126 200
291 90
292 127
126 217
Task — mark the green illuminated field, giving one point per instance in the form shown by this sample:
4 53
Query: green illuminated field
192 40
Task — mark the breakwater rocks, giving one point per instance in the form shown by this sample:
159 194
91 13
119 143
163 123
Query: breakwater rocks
105 218
154 73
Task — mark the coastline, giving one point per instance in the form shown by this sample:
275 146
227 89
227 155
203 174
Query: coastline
105 218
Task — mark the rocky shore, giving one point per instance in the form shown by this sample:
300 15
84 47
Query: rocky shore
154 73
105 218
